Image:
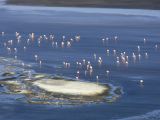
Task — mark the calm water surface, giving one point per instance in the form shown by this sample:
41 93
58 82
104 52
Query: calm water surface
136 103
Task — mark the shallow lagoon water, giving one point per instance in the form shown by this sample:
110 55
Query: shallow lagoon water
139 101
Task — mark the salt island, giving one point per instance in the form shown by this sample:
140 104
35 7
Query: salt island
68 87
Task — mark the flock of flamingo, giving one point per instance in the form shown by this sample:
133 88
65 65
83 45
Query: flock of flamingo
121 58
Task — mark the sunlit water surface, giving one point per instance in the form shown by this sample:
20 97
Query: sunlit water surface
93 25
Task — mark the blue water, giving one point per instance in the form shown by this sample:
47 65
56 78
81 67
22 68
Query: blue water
136 103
